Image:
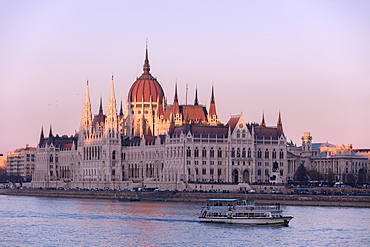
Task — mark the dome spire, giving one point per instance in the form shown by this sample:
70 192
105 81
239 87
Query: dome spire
146 67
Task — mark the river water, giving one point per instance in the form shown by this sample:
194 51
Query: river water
41 221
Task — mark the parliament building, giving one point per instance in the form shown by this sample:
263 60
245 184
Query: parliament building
153 144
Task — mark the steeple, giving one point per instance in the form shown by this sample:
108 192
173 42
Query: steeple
111 123
212 115
196 97
50 132
146 67
280 125
176 107
86 120
121 110
263 123
41 136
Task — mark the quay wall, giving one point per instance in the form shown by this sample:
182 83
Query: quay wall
295 200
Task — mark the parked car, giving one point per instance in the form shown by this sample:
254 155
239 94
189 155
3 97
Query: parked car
263 192
276 192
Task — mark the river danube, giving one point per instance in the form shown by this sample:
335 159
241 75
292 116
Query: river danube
41 221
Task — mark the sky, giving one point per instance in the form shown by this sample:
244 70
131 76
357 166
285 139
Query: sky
307 59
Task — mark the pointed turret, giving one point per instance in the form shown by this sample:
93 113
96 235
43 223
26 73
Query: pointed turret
263 123
41 136
196 97
280 125
86 120
176 107
111 123
121 110
51 132
212 115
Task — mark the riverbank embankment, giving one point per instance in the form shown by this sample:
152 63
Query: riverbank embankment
295 200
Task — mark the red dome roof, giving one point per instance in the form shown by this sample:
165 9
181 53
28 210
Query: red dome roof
146 88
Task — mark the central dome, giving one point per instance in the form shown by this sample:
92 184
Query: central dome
146 88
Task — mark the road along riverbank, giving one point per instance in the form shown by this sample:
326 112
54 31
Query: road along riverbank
295 200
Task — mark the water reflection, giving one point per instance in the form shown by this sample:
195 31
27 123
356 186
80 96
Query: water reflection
32 221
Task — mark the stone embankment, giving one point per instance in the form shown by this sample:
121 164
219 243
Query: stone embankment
296 200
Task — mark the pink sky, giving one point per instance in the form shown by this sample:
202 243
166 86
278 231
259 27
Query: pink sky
308 59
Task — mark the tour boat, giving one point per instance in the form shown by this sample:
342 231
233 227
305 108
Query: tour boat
243 211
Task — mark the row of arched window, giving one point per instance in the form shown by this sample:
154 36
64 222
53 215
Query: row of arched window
203 152
267 154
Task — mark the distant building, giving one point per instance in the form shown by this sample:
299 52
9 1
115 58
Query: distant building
328 162
2 162
165 146
21 163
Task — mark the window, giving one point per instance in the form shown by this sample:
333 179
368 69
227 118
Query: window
219 172
204 153
233 152
274 154
238 134
204 171
51 158
266 172
196 171
188 152
196 152
259 172
219 153
238 152
281 154
211 171
114 155
249 153
267 154
243 134
244 153
259 153
212 153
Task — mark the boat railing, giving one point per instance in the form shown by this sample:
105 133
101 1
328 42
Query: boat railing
258 208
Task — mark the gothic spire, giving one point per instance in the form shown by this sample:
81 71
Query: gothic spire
280 125
212 115
176 107
263 123
86 119
111 119
196 97
41 136
121 110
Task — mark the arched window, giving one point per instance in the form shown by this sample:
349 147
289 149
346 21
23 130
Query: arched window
114 155
51 158
238 134
238 153
196 152
259 153
281 154
267 154
244 152
212 153
188 152
233 152
274 153
219 153
249 153
204 152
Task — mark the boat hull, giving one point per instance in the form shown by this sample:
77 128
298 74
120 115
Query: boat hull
248 221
